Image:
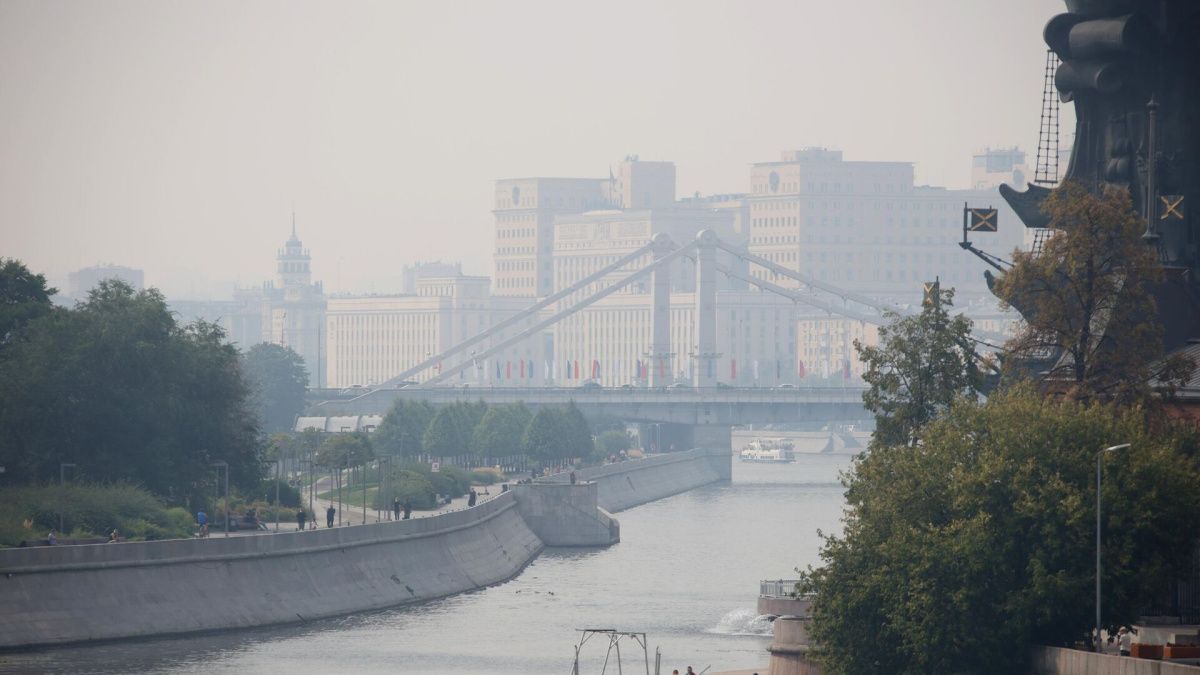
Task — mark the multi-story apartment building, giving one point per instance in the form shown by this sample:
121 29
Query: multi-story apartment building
372 338
609 342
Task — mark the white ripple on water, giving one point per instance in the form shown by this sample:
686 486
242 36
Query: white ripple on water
743 622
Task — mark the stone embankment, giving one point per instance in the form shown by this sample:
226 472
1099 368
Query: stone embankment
61 594
624 485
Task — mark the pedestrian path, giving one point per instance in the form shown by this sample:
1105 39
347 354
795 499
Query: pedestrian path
352 514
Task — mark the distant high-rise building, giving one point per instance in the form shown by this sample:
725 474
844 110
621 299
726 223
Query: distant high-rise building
289 311
991 168
424 270
81 282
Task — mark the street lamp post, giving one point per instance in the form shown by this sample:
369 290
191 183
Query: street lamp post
1099 456
62 482
225 465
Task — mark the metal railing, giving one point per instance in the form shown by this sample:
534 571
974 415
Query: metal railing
778 588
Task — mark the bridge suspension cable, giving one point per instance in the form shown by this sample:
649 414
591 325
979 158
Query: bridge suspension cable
519 316
662 241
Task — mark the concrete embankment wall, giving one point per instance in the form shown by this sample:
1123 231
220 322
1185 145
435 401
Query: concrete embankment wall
1060 661
51 595
627 484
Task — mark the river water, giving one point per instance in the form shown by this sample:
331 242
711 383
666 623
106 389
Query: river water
686 572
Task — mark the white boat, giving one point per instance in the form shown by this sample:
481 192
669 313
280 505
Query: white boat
770 450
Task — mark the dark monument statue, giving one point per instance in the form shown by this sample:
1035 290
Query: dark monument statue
1132 69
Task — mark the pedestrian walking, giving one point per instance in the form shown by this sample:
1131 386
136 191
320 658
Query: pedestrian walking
407 509
396 507
329 514
301 516
471 498
572 478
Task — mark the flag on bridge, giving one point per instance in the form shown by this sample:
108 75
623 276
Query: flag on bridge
508 370
733 369
522 366
499 375
800 369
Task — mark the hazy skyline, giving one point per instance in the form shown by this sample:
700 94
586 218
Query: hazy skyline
178 137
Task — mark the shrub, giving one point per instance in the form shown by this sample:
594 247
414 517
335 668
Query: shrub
88 510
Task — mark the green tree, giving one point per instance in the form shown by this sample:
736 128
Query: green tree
24 296
1086 298
612 442
116 387
543 438
499 433
449 433
961 550
345 450
921 365
278 379
577 434
402 431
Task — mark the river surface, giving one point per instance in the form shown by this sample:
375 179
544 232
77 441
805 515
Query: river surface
686 572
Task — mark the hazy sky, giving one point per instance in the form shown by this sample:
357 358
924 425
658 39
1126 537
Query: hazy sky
177 136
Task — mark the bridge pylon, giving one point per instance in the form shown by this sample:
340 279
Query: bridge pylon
704 366
661 363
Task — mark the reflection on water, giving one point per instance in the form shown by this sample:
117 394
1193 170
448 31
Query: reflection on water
686 572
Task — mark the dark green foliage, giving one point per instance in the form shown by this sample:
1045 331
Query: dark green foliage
278 381
117 388
89 510
962 550
577 434
921 365
24 297
498 434
411 486
450 432
556 434
402 431
345 450
288 495
449 481
612 442
543 438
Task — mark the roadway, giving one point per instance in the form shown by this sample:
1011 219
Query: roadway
682 405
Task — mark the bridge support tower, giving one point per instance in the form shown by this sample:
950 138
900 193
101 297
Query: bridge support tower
661 363
704 367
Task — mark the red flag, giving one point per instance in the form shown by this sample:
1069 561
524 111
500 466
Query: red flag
800 369
595 369
733 369
522 369
577 369
508 370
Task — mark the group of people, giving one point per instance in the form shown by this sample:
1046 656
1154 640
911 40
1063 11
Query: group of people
52 538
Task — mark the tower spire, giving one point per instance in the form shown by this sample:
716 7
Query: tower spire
293 221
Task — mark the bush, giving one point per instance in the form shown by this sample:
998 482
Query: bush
88 510
288 495
409 486
449 481
484 476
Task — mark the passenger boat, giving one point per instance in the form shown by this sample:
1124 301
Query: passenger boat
770 450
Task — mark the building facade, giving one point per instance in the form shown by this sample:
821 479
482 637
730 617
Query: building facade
82 281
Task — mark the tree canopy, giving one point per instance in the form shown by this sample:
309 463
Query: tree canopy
24 296
1086 297
117 388
402 431
498 434
342 450
278 381
922 363
961 550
